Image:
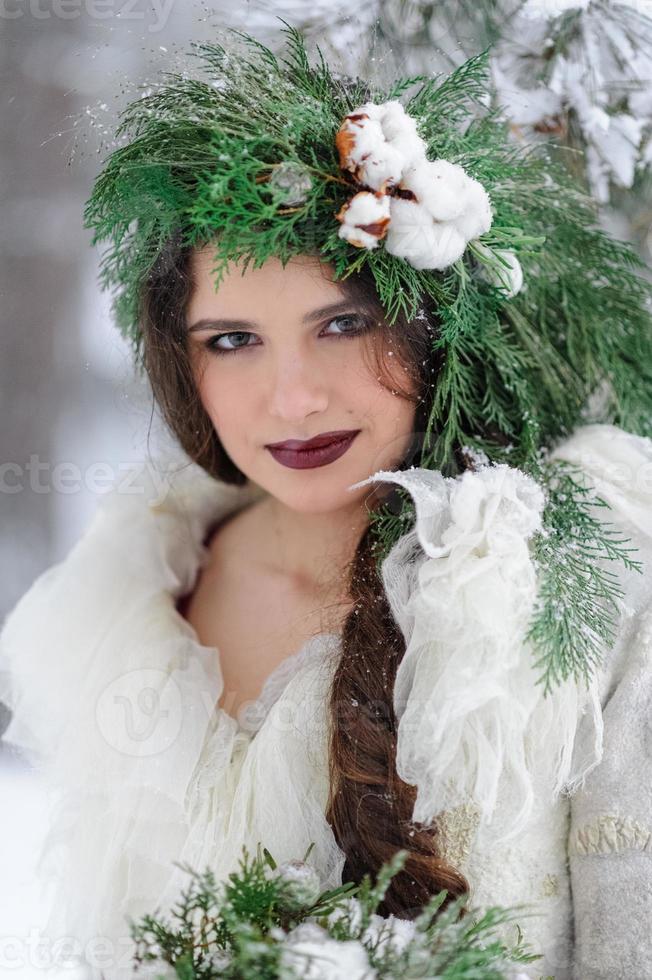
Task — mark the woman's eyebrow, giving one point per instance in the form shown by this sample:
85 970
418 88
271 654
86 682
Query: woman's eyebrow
226 324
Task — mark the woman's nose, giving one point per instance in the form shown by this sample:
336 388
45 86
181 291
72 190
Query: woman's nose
298 386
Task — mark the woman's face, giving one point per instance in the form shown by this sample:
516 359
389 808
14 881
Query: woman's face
292 371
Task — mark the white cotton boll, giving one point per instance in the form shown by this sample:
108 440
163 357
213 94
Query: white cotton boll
396 121
441 187
365 152
447 247
400 131
408 221
355 236
379 144
478 216
372 109
411 148
376 142
382 169
508 280
364 211
379 164
414 235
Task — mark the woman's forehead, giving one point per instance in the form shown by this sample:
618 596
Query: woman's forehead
304 279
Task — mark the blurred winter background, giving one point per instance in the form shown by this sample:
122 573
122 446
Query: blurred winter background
575 73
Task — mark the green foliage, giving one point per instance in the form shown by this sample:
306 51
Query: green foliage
236 929
577 599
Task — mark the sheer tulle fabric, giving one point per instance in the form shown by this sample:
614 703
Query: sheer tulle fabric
114 700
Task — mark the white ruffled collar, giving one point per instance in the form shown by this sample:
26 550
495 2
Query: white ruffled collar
470 711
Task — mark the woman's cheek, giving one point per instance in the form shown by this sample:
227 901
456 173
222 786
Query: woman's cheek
225 401
208 393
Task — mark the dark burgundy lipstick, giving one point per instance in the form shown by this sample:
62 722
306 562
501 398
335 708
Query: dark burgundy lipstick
318 451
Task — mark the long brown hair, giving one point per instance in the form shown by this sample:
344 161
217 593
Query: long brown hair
370 807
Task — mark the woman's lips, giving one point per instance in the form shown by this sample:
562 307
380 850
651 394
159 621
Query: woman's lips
305 459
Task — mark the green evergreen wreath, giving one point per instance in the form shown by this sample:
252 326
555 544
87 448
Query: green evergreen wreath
248 153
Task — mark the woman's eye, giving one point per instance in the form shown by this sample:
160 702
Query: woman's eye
351 318
215 346
212 342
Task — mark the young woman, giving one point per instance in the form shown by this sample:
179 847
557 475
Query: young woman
337 645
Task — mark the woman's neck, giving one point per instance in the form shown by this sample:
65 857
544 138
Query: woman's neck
311 549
